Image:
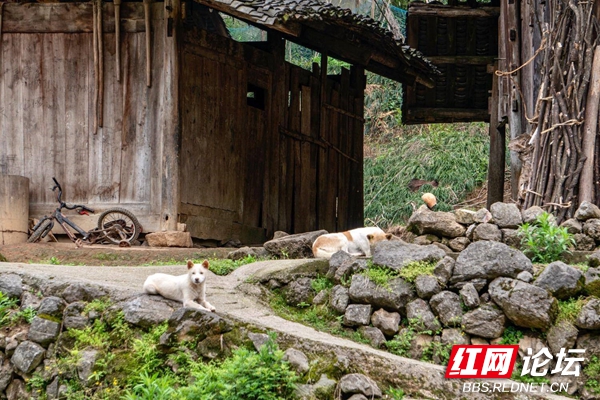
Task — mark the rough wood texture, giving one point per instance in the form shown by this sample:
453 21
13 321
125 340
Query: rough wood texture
590 130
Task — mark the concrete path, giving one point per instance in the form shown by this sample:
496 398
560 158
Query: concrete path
421 380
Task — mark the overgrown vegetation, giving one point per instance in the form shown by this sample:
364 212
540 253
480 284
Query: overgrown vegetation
592 373
568 310
544 241
454 155
380 275
10 314
411 271
511 335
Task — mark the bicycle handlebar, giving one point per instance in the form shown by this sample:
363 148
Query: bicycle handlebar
83 208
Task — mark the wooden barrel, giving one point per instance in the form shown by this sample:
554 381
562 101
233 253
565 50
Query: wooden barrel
14 209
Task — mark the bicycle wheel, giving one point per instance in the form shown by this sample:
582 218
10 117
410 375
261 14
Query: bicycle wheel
128 225
41 231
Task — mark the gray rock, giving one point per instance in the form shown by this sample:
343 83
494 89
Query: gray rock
444 269
530 342
525 276
52 389
564 334
587 211
424 240
145 310
6 375
299 291
443 247
489 260
486 321
346 270
465 217
469 232
506 215
560 279
82 292
437 223
530 215
73 316
487 232
86 365
395 254
297 360
446 305
573 226
373 335
191 324
280 234
294 246
357 315
479 341
242 253
337 260
321 298
358 397
589 316
52 307
323 389
459 244
469 296
591 343
43 331
418 345
510 237
452 336
359 384
11 285
421 317
27 356
583 242
427 286
338 299
482 216
393 297
591 227
524 304
258 339
17 391
387 322
592 281
594 259
572 383
30 300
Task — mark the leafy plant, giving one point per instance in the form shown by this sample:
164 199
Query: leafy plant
380 275
592 373
411 271
511 335
321 283
27 314
54 261
568 310
401 343
395 393
544 241
152 387
224 267
6 305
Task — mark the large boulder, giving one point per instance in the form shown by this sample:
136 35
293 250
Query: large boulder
487 232
187 324
170 239
393 297
396 254
587 211
589 316
524 304
506 215
486 321
438 223
11 285
446 305
591 227
294 246
489 260
560 279
359 384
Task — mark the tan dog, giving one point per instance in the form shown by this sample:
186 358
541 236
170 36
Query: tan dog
185 288
356 242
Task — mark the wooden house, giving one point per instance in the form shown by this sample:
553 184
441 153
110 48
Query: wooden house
153 107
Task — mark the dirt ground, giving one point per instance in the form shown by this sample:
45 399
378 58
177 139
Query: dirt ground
69 254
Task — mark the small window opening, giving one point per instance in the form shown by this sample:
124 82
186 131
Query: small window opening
255 96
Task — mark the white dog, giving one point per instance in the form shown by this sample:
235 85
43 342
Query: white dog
356 242
184 288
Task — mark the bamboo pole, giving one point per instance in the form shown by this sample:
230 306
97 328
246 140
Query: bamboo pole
100 66
148 48
586 181
117 4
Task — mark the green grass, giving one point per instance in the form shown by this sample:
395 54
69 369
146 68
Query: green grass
321 283
511 335
217 265
454 155
592 373
411 271
568 310
380 275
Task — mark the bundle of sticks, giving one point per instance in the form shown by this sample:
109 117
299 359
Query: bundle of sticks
555 153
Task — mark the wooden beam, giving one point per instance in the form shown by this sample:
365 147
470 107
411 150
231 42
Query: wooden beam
436 115
465 60
497 154
440 10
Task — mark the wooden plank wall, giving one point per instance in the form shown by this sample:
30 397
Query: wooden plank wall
248 171
47 107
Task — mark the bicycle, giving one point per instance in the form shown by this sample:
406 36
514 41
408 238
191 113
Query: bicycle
115 225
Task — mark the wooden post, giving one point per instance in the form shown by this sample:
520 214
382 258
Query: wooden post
170 183
497 155
100 34
148 43
117 4
586 180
